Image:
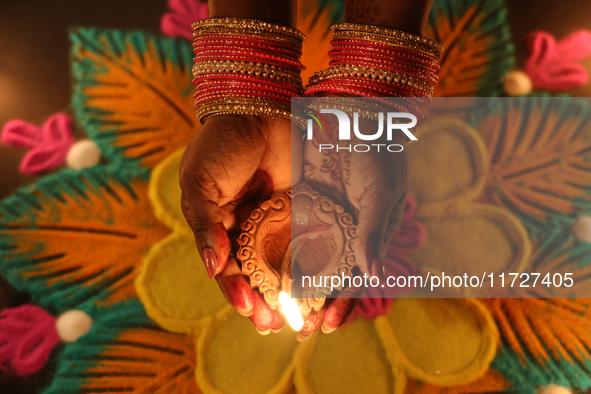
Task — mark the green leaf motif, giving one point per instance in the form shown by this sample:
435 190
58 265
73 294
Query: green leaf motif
478 46
77 238
133 94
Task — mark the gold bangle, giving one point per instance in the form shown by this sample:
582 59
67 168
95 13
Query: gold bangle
428 76
249 24
296 42
289 84
243 106
373 73
389 32
242 66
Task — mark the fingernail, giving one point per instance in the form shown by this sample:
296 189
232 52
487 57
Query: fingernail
266 332
238 293
276 330
377 269
263 315
211 262
326 329
245 313
301 337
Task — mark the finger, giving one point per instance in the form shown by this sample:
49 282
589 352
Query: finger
395 220
311 324
206 220
374 213
236 288
339 311
278 322
263 316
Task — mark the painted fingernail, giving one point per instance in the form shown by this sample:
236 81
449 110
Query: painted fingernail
301 337
245 313
222 243
263 315
326 329
278 322
266 332
211 262
238 293
377 269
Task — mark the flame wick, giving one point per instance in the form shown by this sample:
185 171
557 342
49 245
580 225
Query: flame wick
290 309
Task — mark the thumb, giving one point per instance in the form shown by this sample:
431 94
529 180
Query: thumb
377 222
205 219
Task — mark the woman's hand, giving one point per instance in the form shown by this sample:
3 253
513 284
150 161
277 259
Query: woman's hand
372 186
232 165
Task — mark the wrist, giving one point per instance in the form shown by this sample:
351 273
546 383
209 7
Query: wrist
233 119
410 16
280 11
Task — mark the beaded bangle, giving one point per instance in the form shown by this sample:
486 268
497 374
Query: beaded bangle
385 31
248 69
374 73
248 25
246 106
245 66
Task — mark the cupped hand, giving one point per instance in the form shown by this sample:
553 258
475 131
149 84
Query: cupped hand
232 165
372 186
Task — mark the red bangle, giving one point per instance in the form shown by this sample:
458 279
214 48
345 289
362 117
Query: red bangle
356 50
242 77
376 45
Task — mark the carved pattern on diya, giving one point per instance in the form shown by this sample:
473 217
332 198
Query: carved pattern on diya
300 224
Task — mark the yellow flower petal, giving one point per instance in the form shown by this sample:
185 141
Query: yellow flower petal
441 341
174 287
447 164
165 193
232 357
350 360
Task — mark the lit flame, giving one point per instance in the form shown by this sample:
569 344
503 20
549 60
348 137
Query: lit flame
290 309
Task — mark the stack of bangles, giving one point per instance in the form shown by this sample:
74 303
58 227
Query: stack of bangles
373 61
252 67
245 66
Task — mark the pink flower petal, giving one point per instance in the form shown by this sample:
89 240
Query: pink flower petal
43 158
553 65
58 130
184 12
27 337
575 47
542 47
20 134
174 25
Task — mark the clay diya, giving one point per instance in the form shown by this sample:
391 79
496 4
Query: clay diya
301 232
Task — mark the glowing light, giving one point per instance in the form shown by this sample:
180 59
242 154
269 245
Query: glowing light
290 309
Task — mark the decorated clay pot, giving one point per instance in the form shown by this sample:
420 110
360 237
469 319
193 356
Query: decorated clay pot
303 228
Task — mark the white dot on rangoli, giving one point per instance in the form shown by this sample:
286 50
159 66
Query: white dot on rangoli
517 83
582 228
83 154
72 325
554 389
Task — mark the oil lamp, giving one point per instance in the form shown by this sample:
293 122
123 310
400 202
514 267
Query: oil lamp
303 233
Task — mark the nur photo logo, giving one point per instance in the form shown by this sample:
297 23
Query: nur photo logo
344 130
